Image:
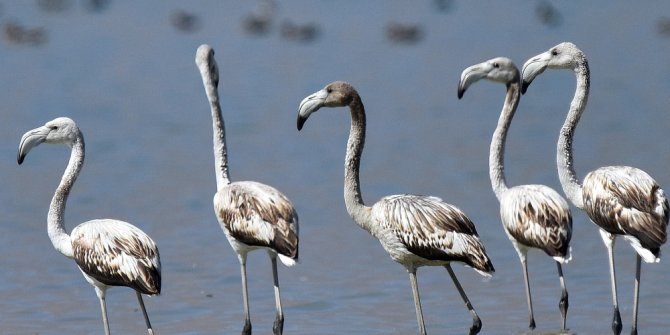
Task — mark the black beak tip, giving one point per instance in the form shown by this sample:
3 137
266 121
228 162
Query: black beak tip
460 93
19 159
301 122
524 87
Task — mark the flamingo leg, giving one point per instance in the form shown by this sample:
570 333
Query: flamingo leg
245 295
563 303
636 297
476 321
616 317
144 312
417 300
529 299
278 326
103 306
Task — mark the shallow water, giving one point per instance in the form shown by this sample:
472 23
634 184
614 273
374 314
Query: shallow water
126 74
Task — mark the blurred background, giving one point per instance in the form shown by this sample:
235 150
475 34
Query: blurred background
125 72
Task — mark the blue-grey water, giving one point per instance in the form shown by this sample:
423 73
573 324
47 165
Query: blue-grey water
125 72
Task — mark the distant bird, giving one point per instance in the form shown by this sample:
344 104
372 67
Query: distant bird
534 216
252 215
415 230
547 14
260 19
18 34
108 252
54 6
185 22
663 26
306 32
404 32
621 200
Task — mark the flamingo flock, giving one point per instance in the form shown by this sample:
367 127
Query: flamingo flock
415 230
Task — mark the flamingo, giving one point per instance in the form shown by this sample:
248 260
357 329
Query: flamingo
252 215
534 216
620 200
108 252
415 230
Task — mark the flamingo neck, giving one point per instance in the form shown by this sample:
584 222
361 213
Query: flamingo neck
497 151
56 217
566 171
352 162
219 136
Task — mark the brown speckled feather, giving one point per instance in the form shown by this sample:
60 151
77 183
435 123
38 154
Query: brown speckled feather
432 229
116 253
259 215
626 200
538 217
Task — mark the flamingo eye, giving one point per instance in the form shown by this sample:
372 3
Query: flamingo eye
554 52
496 65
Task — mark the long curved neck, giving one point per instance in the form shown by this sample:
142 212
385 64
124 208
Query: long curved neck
56 217
566 171
497 152
352 162
219 138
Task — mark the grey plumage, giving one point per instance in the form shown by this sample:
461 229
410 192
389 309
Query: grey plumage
415 230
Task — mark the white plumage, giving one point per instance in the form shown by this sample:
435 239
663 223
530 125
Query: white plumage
108 252
415 230
251 214
620 200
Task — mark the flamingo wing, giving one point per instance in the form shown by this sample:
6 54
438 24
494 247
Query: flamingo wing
117 253
627 201
259 215
432 229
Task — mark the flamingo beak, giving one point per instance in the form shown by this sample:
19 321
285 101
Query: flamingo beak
533 68
30 140
471 75
310 105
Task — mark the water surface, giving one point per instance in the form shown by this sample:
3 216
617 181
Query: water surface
126 74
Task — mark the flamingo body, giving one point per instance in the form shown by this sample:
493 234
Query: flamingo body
255 215
624 200
423 230
536 216
116 253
